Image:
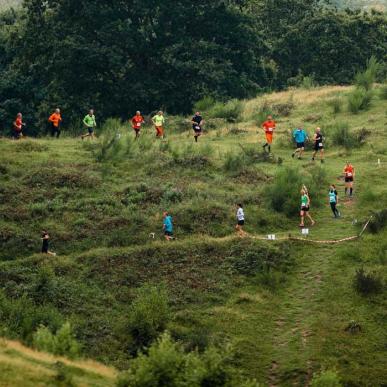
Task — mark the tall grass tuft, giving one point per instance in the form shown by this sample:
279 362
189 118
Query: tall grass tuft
342 136
383 92
367 283
367 78
359 99
336 104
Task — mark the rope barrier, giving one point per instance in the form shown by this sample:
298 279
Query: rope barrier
327 242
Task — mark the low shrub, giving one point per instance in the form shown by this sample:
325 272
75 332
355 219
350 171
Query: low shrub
367 283
359 99
230 110
341 135
234 162
204 104
326 379
336 104
166 364
308 82
149 315
283 195
283 109
62 343
378 221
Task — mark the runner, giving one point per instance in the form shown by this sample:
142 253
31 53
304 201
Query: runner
55 119
137 121
197 123
318 144
18 126
159 121
167 226
90 123
240 215
334 200
269 127
300 137
349 175
305 205
45 241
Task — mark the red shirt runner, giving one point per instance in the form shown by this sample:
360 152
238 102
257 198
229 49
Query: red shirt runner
137 121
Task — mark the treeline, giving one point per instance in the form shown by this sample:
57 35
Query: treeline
118 56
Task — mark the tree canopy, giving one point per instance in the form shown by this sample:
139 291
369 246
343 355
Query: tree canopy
119 56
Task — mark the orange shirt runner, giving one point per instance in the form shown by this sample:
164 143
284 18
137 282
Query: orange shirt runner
349 171
55 119
269 127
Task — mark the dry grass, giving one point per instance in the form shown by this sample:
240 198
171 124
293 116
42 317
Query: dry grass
297 96
28 354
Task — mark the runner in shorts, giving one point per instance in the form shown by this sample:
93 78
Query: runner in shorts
318 145
167 226
300 137
18 126
240 215
159 121
305 206
90 123
349 175
197 124
55 120
45 242
137 121
269 127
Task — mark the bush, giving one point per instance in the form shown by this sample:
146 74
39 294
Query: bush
234 162
149 315
283 195
308 82
336 104
367 283
63 375
205 104
342 136
63 343
359 99
166 364
367 78
230 110
378 221
326 379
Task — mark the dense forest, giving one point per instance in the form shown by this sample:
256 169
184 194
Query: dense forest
118 56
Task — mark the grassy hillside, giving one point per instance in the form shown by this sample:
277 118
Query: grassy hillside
284 306
21 366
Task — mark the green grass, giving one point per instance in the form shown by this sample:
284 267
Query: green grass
283 306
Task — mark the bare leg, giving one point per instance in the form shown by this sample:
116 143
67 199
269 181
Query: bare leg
310 218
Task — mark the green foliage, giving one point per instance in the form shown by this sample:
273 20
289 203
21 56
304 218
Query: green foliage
62 343
341 135
378 221
204 104
336 104
383 92
367 283
21 317
149 315
359 99
167 365
326 379
366 79
308 83
63 375
230 111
